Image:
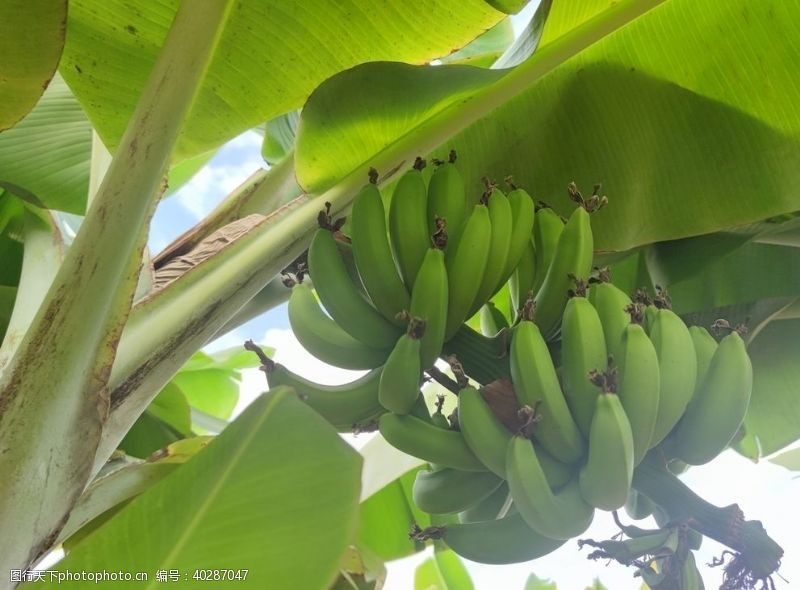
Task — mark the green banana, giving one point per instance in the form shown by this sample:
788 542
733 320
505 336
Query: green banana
694 539
399 384
704 348
503 541
427 441
611 304
638 386
502 225
346 252
373 254
488 438
482 430
583 350
323 337
440 421
547 230
572 259
447 199
690 578
466 261
344 406
408 224
447 491
489 508
677 370
638 506
521 283
559 516
605 479
342 299
650 315
492 320
536 385
429 302
713 417
558 474
522 216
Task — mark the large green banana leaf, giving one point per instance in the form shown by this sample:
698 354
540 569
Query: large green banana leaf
31 39
276 487
671 110
774 414
45 158
270 57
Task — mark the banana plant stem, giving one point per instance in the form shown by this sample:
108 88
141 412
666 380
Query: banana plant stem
757 554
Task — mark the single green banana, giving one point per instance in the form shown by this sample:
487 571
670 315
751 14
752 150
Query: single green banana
690 578
677 370
536 385
705 345
346 252
562 515
490 508
373 254
323 337
492 320
558 474
427 441
503 541
638 506
466 261
429 302
502 225
611 304
638 386
408 224
605 479
440 421
522 216
342 299
448 491
583 350
345 406
521 283
713 417
399 384
483 431
694 539
547 230
572 260
447 199
650 315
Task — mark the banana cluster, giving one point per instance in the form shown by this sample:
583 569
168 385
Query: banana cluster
632 378
587 381
400 286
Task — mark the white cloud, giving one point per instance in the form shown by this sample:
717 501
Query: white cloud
249 140
230 167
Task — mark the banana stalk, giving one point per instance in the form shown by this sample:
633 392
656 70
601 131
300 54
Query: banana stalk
758 552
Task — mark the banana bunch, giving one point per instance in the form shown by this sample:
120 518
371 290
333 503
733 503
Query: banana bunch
591 379
403 282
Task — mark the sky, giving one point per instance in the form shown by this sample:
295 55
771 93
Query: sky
764 491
